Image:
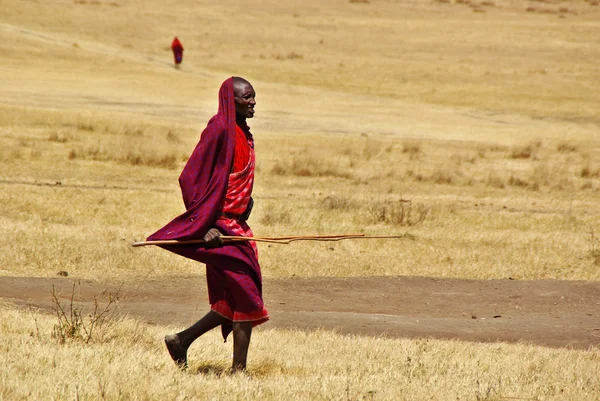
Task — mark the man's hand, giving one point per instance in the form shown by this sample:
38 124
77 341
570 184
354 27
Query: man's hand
213 238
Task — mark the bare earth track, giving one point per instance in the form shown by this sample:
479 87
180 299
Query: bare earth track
548 313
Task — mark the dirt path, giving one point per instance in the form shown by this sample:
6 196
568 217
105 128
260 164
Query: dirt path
550 313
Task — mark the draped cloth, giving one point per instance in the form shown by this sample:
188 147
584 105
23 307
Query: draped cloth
210 190
177 48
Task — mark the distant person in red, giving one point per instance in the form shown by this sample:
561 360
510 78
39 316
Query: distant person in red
177 51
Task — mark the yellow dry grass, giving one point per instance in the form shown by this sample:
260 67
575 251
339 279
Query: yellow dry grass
129 363
485 121
82 188
473 126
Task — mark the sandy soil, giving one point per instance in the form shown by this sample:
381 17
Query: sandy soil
548 313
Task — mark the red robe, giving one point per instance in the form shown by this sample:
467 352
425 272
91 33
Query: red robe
177 48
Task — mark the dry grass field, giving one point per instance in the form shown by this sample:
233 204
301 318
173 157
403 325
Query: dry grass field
470 126
126 361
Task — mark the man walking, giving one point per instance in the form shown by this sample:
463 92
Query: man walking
216 185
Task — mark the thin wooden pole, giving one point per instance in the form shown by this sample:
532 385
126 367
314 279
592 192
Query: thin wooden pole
275 240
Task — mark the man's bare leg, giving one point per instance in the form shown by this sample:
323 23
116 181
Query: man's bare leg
178 344
242 331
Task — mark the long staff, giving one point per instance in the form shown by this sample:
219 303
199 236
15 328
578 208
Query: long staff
275 240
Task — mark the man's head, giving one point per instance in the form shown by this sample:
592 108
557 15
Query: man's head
244 97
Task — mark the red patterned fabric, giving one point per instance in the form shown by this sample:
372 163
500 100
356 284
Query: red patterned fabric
240 187
243 144
209 189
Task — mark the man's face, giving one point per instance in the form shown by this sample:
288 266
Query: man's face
244 97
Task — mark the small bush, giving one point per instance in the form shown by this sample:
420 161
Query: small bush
494 180
517 181
55 137
525 152
588 171
145 159
442 176
566 147
309 166
276 214
412 148
173 137
337 203
289 56
372 149
73 323
400 213
133 157
86 126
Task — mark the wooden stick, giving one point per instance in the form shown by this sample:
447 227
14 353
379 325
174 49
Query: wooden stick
275 240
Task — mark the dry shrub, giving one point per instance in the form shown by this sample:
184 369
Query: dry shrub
289 56
517 181
540 10
309 166
137 158
8 155
275 213
367 149
496 147
25 142
413 148
173 137
442 176
587 171
86 126
459 158
373 148
566 147
34 154
525 152
494 180
58 138
566 10
541 176
131 131
134 157
335 202
400 213
74 323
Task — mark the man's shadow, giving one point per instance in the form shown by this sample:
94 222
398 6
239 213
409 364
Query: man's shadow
209 369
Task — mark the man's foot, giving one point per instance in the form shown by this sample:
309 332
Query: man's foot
177 352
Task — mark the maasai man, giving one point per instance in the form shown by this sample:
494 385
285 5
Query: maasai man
216 184
177 48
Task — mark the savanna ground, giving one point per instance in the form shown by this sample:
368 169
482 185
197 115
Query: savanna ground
470 126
